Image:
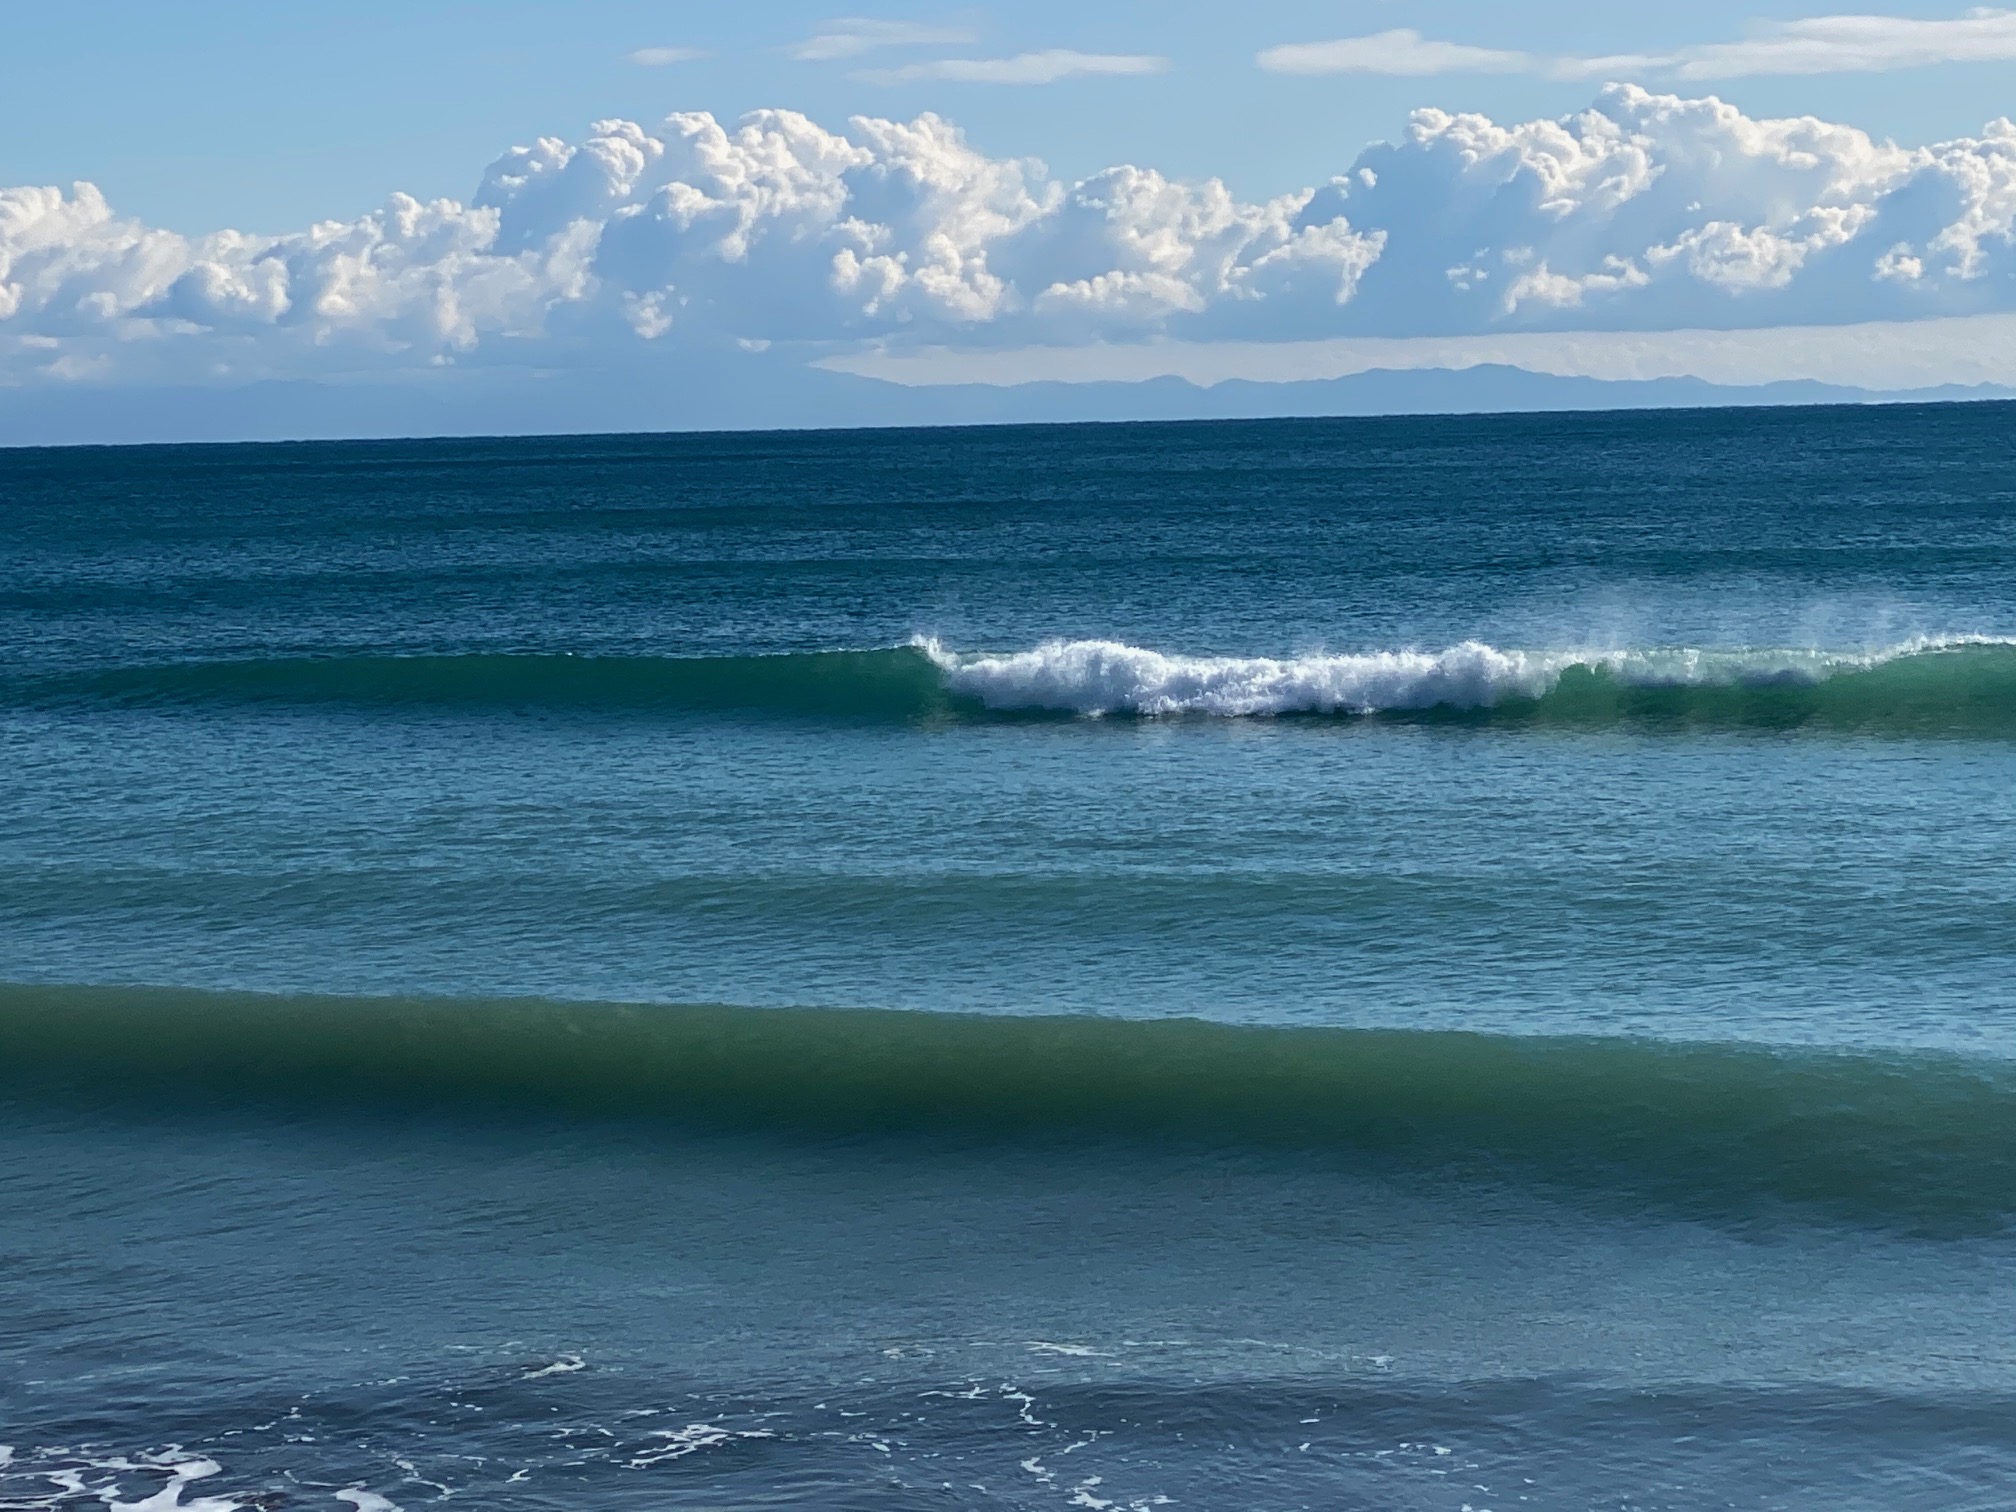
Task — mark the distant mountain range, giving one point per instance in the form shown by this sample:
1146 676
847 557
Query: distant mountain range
776 395
1487 389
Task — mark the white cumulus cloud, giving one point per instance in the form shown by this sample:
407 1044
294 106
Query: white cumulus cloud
1644 212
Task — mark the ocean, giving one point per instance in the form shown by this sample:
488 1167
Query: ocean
1456 964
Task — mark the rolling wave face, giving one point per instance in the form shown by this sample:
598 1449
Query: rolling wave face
1722 1132
884 685
1960 686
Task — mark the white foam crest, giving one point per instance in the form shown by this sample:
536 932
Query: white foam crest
169 1497
692 1439
565 1365
1094 677
1109 677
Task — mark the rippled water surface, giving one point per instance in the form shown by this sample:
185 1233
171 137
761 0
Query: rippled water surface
1410 963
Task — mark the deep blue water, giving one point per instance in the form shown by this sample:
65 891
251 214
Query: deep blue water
1444 961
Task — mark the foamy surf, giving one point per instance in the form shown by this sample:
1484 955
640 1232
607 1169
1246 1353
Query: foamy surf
1095 677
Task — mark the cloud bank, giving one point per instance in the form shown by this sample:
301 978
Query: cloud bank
1645 212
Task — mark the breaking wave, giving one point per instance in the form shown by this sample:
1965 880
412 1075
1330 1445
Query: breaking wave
1962 685
1108 677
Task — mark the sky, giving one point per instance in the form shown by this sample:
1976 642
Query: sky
217 192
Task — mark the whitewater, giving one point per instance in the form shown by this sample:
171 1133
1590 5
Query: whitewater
1106 677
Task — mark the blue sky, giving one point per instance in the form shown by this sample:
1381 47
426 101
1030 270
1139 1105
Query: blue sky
266 117
226 193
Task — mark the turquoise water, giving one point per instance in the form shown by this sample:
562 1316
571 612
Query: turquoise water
1295 964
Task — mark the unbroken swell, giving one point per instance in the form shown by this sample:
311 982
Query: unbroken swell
1716 1130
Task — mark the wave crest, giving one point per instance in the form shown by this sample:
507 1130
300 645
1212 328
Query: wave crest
1094 677
1109 677
1962 685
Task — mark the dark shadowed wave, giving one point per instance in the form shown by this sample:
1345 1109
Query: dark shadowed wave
866 685
1911 1138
